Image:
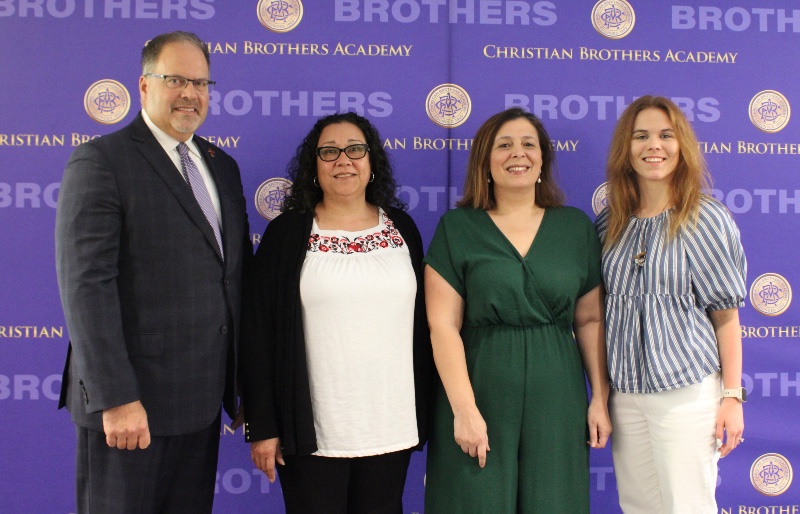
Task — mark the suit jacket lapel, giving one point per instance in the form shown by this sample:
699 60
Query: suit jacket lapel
154 153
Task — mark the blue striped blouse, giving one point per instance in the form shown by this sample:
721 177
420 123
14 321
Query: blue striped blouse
658 332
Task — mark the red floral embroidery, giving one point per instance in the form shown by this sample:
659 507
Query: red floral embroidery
387 237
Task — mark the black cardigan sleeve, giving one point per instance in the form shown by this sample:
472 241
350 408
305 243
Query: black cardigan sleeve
258 340
423 352
275 386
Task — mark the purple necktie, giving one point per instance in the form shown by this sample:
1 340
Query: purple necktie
195 180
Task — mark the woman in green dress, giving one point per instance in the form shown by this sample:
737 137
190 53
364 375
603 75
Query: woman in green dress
510 275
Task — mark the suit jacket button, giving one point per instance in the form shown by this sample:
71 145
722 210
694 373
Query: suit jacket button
85 394
224 329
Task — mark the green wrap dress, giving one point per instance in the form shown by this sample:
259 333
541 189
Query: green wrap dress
523 363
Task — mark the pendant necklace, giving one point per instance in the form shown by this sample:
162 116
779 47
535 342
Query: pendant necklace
640 257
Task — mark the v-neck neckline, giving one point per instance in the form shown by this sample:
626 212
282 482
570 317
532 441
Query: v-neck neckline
508 241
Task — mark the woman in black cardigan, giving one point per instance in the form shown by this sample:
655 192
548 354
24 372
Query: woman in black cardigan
336 357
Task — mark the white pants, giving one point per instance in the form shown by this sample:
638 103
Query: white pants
665 449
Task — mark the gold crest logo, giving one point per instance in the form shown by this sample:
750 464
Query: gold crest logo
270 195
771 474
280 15
769 111
613 19
600 198
448 105
107 101
771 294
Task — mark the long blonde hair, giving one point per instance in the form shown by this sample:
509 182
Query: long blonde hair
688 180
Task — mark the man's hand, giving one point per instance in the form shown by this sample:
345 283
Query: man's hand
239 419
126 426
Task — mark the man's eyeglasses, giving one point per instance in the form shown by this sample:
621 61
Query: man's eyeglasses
331 153
178 82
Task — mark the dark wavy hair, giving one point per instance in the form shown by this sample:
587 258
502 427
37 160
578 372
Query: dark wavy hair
479 192
302 169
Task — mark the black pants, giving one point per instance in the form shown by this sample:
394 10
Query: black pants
359 485
175 474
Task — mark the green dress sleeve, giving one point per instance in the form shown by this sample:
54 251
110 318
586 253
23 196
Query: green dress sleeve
593 258
440 254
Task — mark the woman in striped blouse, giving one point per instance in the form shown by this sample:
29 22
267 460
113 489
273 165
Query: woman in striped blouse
674 270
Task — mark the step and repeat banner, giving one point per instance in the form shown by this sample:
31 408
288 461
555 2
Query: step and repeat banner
427 73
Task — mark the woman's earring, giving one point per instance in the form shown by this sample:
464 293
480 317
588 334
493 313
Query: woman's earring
315 182
372 176
489 180
539 180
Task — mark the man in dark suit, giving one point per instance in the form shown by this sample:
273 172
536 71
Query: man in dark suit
151 239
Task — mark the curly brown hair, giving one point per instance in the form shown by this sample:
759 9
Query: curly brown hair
302 169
